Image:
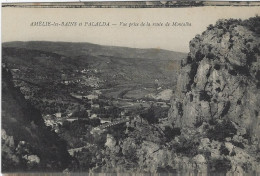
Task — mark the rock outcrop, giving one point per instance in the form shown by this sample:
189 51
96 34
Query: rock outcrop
218 95
220 78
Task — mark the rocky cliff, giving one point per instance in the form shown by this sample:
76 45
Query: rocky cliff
27 144
220 79
213 123
218 86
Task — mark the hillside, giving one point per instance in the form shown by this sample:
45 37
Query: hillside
27 144
102 67
115 65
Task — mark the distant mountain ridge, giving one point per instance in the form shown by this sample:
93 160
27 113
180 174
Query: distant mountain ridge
77 49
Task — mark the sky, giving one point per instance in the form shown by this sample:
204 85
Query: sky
16 25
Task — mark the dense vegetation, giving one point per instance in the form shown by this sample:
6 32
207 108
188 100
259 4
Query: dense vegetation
28 145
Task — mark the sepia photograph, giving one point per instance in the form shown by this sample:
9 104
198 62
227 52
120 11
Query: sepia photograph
131 87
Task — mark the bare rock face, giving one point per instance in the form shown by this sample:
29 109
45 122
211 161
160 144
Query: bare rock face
220 78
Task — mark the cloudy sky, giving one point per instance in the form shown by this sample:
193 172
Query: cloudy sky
16 25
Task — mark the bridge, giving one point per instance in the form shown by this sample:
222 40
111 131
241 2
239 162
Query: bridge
107 125
76 150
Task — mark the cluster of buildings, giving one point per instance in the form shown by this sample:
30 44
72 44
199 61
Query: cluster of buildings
85 76
94 112
53 121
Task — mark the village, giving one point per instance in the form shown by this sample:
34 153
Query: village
108 112
100 109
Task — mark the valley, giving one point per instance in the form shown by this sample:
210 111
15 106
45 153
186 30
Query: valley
81 107
86 92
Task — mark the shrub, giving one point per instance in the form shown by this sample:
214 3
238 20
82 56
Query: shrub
253 24
238 144
210 27
204 96
222 130
170 133
219 165
188 148
223 150
199 55
199 121
154 113
217 66
211 56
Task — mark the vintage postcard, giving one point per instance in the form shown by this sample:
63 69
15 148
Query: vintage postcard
131 87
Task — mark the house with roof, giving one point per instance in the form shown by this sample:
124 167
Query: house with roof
105 120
